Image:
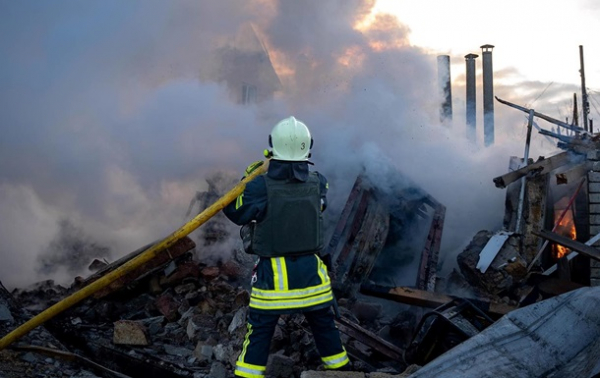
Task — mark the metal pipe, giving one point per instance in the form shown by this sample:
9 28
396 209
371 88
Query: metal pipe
127 267
524 178
471 98
488 95
544 117
585 105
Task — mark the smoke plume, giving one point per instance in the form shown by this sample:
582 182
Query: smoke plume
110 120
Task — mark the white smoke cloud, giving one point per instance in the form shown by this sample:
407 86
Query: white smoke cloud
106 122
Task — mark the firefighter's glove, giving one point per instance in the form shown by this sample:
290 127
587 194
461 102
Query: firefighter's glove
252 167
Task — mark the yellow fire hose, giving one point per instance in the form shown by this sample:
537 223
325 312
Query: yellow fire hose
144 257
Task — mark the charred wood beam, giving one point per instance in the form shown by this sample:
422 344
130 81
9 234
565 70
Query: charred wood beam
352 231
542 166
429 299
572 175
544 117
429 256
180 247
374 230
335 239
370 339
574 245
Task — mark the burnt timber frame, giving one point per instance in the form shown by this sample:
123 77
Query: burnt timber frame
540 167
574 245
362 230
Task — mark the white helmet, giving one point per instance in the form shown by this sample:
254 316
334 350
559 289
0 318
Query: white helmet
290 140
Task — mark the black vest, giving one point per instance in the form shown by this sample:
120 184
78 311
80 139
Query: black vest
293 223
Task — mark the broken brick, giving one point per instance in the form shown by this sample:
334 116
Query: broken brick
184 270
167 306
210 273
128 332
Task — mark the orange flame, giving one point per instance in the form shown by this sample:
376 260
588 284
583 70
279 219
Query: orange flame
566 227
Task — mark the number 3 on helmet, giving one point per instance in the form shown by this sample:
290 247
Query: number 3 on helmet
289 139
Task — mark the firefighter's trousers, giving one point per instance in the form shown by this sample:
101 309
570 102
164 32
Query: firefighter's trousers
252 362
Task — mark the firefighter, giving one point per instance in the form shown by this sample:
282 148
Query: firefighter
280 212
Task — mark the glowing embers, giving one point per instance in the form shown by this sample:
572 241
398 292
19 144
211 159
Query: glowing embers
565 226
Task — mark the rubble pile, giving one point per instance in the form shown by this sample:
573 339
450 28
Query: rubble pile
190 323
22 363
503 278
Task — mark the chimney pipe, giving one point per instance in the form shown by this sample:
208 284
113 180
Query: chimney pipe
445 87
488 95
471 115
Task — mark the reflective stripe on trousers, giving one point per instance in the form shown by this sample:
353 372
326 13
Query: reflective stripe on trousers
336 361
255 353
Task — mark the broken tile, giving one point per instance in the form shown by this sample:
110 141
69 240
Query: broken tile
203 351
177 351
280 366
222 352
5 314
217 370
239 320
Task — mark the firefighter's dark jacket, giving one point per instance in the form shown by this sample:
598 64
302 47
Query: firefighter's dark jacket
284 284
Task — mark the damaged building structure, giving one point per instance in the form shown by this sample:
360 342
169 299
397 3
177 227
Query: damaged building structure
529 302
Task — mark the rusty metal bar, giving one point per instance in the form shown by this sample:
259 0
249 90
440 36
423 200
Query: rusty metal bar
544 117
524 178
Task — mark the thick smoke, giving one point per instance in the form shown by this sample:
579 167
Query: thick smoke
72 250
108 120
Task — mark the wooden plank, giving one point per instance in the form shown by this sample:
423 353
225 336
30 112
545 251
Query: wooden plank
370 339
574 245
429 299
542 166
